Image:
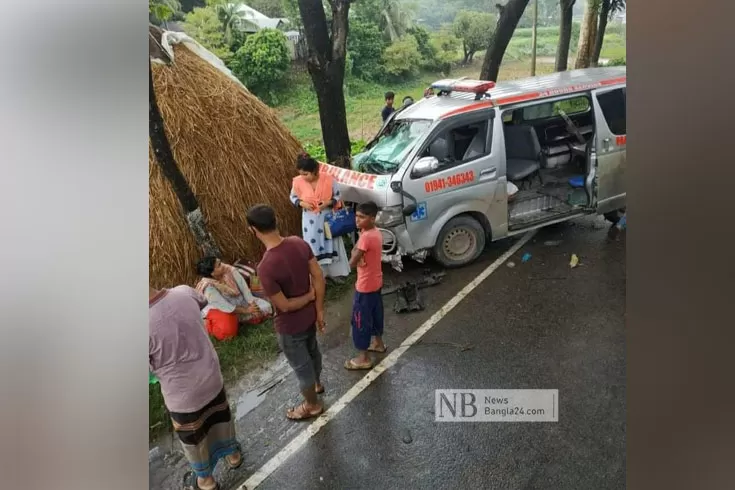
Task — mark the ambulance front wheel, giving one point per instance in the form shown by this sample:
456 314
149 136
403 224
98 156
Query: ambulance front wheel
460 242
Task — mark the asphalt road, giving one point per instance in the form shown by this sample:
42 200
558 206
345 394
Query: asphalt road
539 324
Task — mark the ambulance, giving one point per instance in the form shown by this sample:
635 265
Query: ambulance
478 161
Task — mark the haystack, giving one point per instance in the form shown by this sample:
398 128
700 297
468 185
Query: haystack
232 150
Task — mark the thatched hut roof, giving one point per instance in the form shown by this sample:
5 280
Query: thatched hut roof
233 151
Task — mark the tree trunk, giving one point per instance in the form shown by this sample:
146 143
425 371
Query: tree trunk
165 159
587 34
600 36
510 14
565 35
326 65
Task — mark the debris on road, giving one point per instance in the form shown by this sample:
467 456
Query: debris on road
407 439
552 243
429 279
511 264
408 299
574 261
526 257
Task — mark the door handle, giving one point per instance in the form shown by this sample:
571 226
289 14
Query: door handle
488 171
606 144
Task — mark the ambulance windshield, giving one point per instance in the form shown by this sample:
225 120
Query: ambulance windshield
392 146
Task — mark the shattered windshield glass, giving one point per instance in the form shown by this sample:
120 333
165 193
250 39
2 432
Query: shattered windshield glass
392 146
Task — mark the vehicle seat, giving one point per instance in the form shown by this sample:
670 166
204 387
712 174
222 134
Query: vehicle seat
439 149
522 152
476 148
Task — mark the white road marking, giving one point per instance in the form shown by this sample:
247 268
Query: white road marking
276 461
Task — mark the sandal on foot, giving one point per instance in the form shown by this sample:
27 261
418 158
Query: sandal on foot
351 366
379 351
234 466
319 391
300 412
191 482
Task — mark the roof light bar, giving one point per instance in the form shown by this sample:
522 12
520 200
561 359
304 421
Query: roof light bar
476 87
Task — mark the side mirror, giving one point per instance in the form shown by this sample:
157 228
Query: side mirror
409 210
425 166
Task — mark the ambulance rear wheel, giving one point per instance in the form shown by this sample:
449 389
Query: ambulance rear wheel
460 242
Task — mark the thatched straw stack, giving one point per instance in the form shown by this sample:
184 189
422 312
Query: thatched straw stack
233 151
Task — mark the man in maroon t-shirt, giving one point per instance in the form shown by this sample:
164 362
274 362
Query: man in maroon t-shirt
294 283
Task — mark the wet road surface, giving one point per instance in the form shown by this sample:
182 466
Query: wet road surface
539 324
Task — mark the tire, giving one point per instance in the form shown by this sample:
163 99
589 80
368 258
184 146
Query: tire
460 242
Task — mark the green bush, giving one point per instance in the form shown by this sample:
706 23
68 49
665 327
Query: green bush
616 62
447 47
402 59
318 152
365 46
262 62
427 50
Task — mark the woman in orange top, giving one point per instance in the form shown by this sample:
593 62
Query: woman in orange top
317 194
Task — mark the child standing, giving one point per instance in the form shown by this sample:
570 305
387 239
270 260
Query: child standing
367 307
388 109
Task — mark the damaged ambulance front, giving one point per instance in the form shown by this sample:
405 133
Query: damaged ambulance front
377 175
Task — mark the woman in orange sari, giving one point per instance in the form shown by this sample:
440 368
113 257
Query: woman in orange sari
317 194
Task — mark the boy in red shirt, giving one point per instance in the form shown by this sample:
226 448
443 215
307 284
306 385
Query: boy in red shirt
367 307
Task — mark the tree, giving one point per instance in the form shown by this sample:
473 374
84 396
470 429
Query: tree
474 30
587 34
326 65
271 8
165 159
161 11
608 9
394 17
262 61
203 24
510 14
365 46
402 59
229 15
565 34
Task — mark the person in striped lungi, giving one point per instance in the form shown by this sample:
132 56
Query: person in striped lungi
183 359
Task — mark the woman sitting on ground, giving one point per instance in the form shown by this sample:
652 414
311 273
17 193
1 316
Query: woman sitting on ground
317 195
229 299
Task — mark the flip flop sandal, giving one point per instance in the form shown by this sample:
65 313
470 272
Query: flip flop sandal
305 414
385 348
234 466
351 366
191 483
319 392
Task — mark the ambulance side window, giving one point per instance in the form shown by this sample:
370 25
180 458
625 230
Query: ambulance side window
460 144
613 108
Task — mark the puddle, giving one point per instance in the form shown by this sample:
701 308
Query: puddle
247 402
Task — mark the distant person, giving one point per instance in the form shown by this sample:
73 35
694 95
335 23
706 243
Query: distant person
428 92
367 306
388 109
294 283
316 194
183 359
407 101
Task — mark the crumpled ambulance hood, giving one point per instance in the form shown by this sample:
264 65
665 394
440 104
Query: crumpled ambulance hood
359 187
